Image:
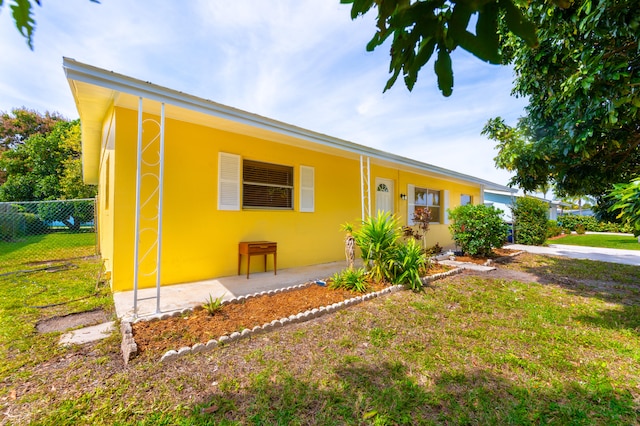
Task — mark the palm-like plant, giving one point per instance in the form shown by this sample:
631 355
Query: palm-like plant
405 265
377 238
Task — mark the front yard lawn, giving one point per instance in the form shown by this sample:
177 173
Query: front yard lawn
42 277
613 241
540 341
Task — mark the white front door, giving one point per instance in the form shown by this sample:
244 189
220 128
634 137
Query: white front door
384 195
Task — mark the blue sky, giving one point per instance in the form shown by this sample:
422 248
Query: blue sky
301 62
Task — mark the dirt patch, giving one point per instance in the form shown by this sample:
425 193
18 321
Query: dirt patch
495 255
509 275
79 319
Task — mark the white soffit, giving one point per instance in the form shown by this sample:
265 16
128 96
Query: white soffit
96 90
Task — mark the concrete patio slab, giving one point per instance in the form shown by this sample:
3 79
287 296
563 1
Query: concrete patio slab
180 296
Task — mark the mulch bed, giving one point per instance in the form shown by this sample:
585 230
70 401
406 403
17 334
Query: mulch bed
480 260
199 326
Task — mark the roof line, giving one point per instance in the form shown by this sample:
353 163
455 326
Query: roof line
79 71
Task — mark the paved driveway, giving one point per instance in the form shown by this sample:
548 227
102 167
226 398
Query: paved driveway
628 257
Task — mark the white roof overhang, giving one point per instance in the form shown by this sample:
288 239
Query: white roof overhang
96 91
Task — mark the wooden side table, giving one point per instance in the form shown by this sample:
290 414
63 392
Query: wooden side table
250 248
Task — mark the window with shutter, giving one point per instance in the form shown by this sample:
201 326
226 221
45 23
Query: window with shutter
266 185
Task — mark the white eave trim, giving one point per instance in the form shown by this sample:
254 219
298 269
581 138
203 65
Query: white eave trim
77 71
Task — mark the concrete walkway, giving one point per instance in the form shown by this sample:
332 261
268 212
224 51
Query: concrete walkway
181 296
627 257
468 265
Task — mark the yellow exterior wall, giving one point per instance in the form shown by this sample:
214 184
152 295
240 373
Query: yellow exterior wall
438 232
105 193
200 242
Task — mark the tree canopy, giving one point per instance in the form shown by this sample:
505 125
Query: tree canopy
581 131
422 27
45 166
576 61
16 126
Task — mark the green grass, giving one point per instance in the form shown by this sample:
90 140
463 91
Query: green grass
467 350
22 254
599 240
30 292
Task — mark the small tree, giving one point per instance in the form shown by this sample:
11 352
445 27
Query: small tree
377 240
45 166
530 216
421 219
477 228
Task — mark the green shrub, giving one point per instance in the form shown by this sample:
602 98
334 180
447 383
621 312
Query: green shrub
553 229
350 279
377 239
12 224
530 217
570 221
405 265
477 228
33 224
580 229
386 256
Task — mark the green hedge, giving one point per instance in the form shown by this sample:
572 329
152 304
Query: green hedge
571 221
553 229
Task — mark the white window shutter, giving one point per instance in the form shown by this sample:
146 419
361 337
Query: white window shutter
307 184
411 203
445 205
228 181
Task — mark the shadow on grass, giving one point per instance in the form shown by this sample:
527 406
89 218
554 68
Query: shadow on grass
51 247
611 282
8 247
389 394
628 317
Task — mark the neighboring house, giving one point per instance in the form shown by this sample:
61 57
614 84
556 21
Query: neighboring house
504 200
211 176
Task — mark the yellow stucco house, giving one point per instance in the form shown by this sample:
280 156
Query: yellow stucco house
185 180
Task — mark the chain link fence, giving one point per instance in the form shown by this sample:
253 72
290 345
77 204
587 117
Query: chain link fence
41 231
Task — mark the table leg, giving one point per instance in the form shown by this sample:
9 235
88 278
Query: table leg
239 261
275 263
248 265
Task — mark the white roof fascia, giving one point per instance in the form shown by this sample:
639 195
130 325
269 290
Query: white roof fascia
78 71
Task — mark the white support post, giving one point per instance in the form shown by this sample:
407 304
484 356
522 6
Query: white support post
369 185
137 226
362 186
365 187
160 208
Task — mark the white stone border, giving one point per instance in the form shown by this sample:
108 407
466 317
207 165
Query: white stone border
129 347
